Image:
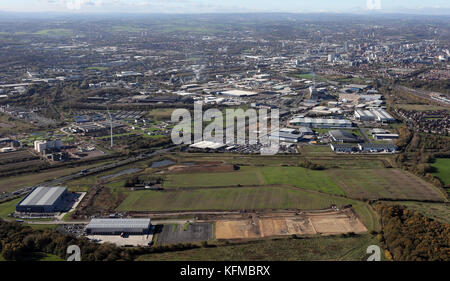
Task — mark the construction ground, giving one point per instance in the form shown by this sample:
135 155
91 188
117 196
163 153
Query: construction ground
279 224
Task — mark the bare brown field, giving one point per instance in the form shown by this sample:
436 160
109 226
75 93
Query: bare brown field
384 184
336 224
304 224
286 226
236 229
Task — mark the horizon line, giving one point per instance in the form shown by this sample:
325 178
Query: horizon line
364 12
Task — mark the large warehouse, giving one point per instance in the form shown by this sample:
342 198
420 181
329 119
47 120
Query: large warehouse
320 122
118 226
204 145
43 199
379 115
238 93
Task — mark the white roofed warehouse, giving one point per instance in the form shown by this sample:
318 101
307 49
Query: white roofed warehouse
320 122
118 226
207 145
44 199
238 93
379 115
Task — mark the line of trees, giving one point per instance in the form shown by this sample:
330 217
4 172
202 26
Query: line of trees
148 180
310 165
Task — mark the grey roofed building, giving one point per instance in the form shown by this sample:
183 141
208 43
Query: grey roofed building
287 137
383 115
343 147
385 136
379 115
306 131
378 147
43 199
118 226
320 122
365 115
343 136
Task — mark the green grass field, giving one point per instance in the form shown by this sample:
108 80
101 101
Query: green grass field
301 177
160 113
245 176
55 32
362 184
420 107
308 76
330 248
8 207
82 184
295 176
368 217
443 169
233 198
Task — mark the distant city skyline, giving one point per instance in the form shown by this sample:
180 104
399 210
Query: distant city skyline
228 6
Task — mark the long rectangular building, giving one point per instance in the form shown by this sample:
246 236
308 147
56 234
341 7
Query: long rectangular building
383 116
43 199
118 226
320 122
238 93
379 115
207 145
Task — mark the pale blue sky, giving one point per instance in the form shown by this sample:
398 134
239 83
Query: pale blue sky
213 6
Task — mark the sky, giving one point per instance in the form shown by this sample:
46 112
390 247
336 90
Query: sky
226 6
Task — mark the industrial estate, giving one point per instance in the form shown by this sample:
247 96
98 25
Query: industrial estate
87 126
